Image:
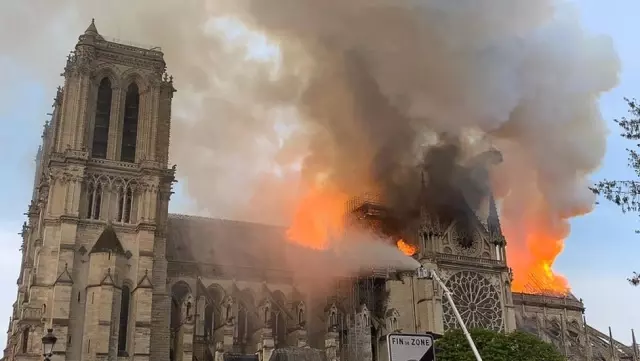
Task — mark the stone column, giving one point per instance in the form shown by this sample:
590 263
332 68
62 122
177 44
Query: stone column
267 343
361 340
187 328
219 352
200 306
227 338
332 346
141 298
299 337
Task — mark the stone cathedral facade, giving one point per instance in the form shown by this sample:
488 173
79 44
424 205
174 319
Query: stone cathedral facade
118 278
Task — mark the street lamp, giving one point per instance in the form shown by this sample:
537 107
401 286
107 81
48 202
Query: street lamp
48 341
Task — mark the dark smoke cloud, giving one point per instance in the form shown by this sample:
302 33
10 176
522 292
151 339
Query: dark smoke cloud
359 88
523 73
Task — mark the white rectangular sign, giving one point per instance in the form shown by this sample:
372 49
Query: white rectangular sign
410 347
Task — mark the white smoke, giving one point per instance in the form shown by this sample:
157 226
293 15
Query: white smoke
524 72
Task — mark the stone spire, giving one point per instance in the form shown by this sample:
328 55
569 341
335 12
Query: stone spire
493 221
92 30
612 347
634 344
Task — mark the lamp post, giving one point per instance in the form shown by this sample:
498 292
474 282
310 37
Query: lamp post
48 341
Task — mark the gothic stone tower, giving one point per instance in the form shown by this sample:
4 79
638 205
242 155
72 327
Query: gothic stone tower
94 265
471 260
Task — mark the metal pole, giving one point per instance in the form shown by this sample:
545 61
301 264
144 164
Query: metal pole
447 294
415 311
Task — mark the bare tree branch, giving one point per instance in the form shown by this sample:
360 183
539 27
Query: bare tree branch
626 193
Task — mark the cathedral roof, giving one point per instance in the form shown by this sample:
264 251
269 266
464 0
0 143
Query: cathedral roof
241 246
224 242
108 242
571 334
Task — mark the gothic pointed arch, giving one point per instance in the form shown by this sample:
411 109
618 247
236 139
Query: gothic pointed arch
213 312
130 123
301 314
133 75
100 139
216 293
279 317
246 319
180 292
106 70
333 317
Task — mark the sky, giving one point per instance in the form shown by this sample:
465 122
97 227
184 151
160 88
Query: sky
600 253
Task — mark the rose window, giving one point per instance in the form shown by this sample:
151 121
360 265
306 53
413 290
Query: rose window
477 300
466 244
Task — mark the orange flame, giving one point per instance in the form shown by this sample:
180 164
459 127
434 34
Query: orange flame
531 257
318 218
406 248
532 249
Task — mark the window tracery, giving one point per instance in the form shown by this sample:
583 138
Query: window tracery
333 318
465 243
214 311
477 300
392 317
111 197
94 195
301 309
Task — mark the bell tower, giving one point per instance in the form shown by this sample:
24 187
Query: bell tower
94 265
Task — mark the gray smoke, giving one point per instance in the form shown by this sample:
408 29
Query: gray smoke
353 91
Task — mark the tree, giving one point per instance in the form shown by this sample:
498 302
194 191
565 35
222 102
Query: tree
495 346
624 193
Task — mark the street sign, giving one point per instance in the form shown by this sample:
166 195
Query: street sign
410 347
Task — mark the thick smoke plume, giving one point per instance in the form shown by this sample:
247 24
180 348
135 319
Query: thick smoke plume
275 96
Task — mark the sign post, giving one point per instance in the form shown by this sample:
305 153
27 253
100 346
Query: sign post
410 347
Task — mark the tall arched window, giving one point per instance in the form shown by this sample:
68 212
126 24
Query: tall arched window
103 114
130 124
25 340
124 319
125 200
209 322
94 201
241 328
175 328
278 329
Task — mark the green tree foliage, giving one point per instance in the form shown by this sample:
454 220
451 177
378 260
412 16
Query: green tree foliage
495 346
625 193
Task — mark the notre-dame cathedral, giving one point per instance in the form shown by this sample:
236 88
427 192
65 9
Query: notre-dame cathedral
119 278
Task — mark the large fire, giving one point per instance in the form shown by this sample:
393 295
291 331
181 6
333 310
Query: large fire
406 248
531 260
319 219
